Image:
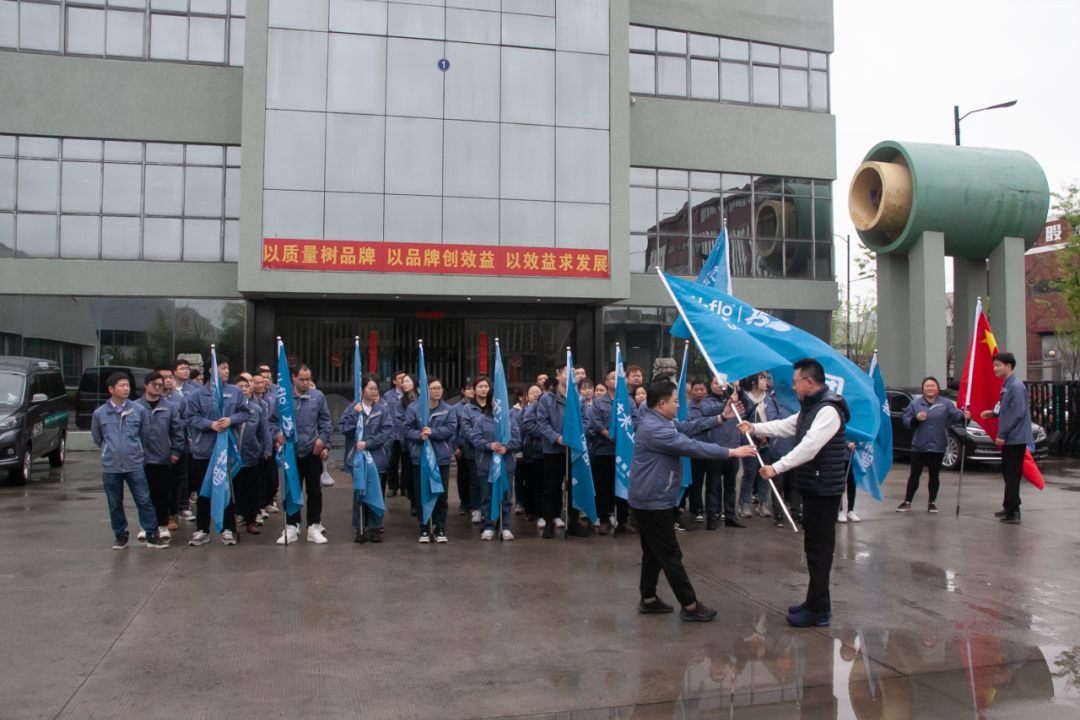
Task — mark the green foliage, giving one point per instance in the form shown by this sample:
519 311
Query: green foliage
1067 205
855 329
1069 663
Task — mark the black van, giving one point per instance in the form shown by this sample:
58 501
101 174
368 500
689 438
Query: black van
33 415
94 390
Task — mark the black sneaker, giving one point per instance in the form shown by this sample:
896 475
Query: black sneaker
1013 519
359 539
574 529
440 535
778 522
549 531
121 541
700 613
1001 513
374 536
734 522
155 542
425 536
710 523
932 508
657 606
463 511
903 507
680 528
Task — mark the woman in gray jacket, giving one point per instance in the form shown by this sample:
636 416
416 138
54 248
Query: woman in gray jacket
928 417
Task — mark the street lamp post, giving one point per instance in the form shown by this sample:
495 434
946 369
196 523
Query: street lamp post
847 275
957 117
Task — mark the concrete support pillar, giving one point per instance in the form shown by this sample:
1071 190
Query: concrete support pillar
969 284
911 312
1008 310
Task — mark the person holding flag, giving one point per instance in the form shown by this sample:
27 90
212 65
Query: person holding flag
209 411
430 429
496 439
929 418
367 458
656 473
602 453
549 417
573 436
254 447
621 430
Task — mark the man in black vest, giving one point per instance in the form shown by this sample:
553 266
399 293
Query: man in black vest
820 471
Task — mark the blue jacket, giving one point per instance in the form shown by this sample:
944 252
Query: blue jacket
465 410
656 470
121 436
725 434
1014 417
597 419
397 415
378 434
266 402
532 444
312 422
199 415
932 434
482 434
444 429
775 410
254 434
166 432
549 420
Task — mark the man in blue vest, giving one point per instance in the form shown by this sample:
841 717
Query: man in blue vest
820 470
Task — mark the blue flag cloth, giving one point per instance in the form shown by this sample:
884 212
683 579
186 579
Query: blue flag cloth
573 434
683 407
621 428
365 476
217 484
872 461
741 340
286 458
500 408
430 480
716 272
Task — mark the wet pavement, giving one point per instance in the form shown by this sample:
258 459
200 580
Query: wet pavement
934 617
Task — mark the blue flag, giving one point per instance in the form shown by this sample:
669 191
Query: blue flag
686 479
716 272
872 461
365 476
573 434
741 340
217 484
430 480
500 408
621 428
286 458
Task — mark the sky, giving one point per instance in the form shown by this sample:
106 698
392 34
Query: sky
899 68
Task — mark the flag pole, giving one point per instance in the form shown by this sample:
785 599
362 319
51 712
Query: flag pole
615 515
283 481
708 360
430 527
970 372
491 400
360 493
566 477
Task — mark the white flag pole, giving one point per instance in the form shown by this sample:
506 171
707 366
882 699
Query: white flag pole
970 371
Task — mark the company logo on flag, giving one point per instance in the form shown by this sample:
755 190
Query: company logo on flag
365 475
497 475
872 460
573 432
226 458
621 428
290 491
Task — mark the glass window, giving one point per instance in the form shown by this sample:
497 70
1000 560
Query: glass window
232 193
208 7
642 210
207 40
164 190
123 151
120 238
823 261
643 176
704 46
164 153
734 49
765 54
38 186
706 215
174 5
236 42
39 29
819 61
168 37
232 240
793 57
705 79
128 3
232 156
82 149
668 41
735 82
672 76
9 145
7 184
705 180
639 245
642 38
766 85
39 147
672 178
822 188
643 74
823 220
7 233
81 189
735 182
671 204
793 88
204 155
238 8
122 193
819 91
79 236
124 34
202 194
85 31
202 240
162 238
9 33
798 260
35 235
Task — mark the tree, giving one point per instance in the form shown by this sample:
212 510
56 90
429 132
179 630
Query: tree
1068 207
855 329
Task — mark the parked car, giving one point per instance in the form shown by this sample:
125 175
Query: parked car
33 415
980 446
93 390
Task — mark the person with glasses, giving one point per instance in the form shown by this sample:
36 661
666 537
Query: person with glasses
162 450
442 431
254 448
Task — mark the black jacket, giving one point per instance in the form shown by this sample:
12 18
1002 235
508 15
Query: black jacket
826 474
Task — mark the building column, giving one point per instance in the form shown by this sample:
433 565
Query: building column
969 284
893 328
1008 310
926 303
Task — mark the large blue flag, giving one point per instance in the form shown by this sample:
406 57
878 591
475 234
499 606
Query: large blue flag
683 406
716 272
500 408
573 435
872 461
621 428
217 484
365 475
286 457
728 325
430 480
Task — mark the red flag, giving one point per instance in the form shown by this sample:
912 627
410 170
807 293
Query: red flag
980 388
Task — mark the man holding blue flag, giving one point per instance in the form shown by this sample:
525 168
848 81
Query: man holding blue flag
550 415
598 422
369 427
573 434
430 429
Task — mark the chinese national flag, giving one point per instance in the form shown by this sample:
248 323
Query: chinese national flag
980 388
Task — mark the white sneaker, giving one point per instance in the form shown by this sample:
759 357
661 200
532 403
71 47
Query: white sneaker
744 511
313 535
541 523
272 508
842 517
187 515
559 523
263 514
507 535
164 533
487 534
290 535
227 538
764 511
141 535
477 518
199 538
326 480
852 517
320 528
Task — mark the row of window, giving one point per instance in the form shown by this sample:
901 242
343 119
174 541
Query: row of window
706 67
114 200
199 31
777 227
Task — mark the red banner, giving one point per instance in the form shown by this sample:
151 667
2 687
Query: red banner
483 353
373 351
346 256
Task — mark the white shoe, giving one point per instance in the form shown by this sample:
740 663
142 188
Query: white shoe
477 518
199 538
164 533
487 534
313 535
187 515
326 480
507 535
272 508
541 523
559 523
141 535
744 511
263 514
764 511
290 535
227 538
852 517
842 517
320 528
